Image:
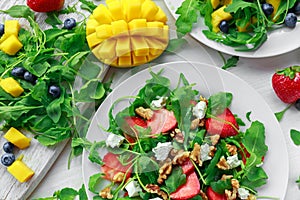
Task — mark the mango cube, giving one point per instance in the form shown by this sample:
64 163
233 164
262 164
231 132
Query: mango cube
17 138
123 46
93 40
137 26
155 29
137 60
104 31
133 9
11 86
149 10
217 16
119 27
12 27
160 16
115 9
20 171
11 45
107 49
124 61
139 46
91 25
102 15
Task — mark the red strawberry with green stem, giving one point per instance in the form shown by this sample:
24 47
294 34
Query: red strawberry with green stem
45 5
223 124
286 84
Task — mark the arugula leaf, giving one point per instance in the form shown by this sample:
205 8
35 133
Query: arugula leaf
175 179
248 116
53 19
279 115
19 11
94 181
237 5
218 102
295 136
87 5
231 62
188 15
221 185
175 44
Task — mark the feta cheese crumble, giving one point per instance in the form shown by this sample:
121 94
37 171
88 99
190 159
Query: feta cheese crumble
204 152
159 103
243 193
133 188
199 109
114 140
162 150
233 161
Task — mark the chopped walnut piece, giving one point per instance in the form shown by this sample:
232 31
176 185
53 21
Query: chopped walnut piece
196 154
212 151
118 177
222 164
195 124
203 195
214 139
225 177
145 113
181 157
164 171
106 193
235 183
231 195
179 137
202 122
155 189
232 149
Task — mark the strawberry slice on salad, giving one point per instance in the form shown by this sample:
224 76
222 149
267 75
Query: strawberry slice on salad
162 121
223 124
212 195
113 166
187 167
188 190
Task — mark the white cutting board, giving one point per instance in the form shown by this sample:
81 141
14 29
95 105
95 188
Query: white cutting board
37 157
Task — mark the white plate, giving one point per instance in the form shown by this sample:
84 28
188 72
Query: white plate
209 80
279 41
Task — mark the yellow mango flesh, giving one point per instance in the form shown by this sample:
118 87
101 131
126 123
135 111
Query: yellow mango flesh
12 27
217 16
215 3
11 45
121 37
11 86
20 171
17 138
275 4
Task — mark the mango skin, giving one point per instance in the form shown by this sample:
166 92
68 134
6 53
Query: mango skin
20 171
17 138
11 86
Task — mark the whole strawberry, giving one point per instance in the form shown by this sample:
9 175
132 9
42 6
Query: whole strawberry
45 5
286 84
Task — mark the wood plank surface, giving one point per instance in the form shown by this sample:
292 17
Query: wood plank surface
37 157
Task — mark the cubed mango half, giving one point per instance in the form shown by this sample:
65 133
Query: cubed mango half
11 86
20 171
11 45
17 138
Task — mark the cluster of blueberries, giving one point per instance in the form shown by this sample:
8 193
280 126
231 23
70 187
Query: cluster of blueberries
8 157
290 19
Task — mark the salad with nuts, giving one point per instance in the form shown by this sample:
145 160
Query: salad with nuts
174 143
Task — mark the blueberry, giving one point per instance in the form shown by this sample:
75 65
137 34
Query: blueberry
69 23
18 72
267 8
54 91
8 147
7 159
296 8
297 104
224 26
29 77
290 20
1 29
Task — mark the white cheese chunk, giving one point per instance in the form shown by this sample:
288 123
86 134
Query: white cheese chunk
159 103
114 140
204 152
243 193
133 188
233 161
162 150
199 109
156 198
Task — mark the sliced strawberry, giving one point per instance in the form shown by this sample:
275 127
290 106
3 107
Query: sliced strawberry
112 166
129 126
162 121
187 167
224 124
188 190
212 195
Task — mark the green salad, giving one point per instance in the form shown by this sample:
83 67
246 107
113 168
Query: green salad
241 24
174 143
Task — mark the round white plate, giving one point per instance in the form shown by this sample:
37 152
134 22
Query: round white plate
279 41
209 80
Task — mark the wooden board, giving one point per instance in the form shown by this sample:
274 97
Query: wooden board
37 157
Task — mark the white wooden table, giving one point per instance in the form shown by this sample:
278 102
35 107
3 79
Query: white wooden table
257 72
